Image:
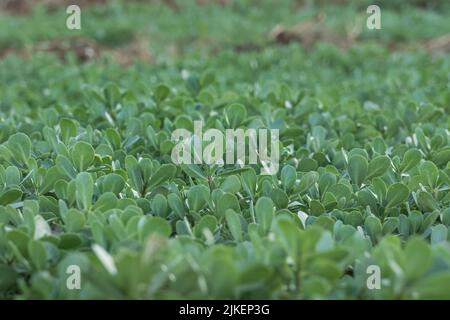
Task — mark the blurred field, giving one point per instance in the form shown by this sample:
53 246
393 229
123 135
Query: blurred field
167 29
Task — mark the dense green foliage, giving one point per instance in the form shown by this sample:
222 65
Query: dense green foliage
86 176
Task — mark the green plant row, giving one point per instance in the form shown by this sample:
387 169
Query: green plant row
86 178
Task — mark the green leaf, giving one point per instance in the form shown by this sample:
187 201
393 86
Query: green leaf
20 239
159 205
82 155
207 78
415 220
65 167
357 169
20 146
194 171
235 171
84 190
6 154
307 165
390 224
307 181
198 197
426 202
113 183
445 217
51 176
373 227
235 114
378 166
418 258
354 218
326 180
396 194
113 138
10 196
8 277
12 176
439 234
442 157
227 201
290 237
193 84
429 220
367 198
280 198
161 92
429 173
68 129
316 208
208 222
411 158
69 241
112 94
75 220
234 224
176 204
37 253
163 174
248 179
231 184
117 226
106 201
380 189
134 173
153 225
432 287
288 177
264 210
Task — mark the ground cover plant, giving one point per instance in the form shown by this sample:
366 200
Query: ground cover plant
87 182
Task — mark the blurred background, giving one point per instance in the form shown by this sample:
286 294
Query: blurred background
156 31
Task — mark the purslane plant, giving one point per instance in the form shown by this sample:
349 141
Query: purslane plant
87 180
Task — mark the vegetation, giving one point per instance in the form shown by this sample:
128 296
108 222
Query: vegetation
86 177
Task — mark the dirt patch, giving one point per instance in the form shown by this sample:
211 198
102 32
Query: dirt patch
175 5
6 52
56 4
19 7
308 33
314 30
83 49
138 50
219 2
86 50
439 44
26 7
247 47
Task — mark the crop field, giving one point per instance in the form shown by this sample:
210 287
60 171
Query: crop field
351 202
